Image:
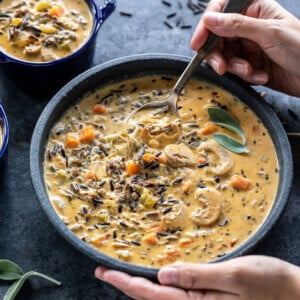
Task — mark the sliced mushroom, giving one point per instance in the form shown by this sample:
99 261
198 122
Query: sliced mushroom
58 203
99 169
224 162
210 207
33 49
176 218
180 155
157 136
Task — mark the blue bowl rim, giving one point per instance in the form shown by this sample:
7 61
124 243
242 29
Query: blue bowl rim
98 20
6 131
282 142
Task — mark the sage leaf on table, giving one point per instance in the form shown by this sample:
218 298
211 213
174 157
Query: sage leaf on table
230 143
223 118
10 271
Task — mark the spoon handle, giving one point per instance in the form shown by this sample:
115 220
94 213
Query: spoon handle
232 6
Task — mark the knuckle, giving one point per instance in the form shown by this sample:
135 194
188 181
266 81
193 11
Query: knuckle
237 274
189 278
236 21
215 5
276 33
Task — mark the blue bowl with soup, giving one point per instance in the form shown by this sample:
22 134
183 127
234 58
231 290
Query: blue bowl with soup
45 43
4 131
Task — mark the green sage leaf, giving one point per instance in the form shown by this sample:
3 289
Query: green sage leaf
230 143
223 118
17 285
9 270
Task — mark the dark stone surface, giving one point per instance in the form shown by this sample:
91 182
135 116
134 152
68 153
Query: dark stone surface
26 235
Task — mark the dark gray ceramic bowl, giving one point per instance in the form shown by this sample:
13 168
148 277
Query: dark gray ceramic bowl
134 66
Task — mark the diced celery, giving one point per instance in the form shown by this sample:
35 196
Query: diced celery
147 199
48 29
42 5
16 21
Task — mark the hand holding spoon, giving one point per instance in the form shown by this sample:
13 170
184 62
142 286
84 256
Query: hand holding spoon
232 6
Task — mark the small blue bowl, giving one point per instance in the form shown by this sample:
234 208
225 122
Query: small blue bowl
43 77
4 130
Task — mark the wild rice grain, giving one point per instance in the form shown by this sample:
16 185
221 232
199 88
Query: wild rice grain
125 14
168 24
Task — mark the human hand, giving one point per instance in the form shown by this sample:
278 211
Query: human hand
243 278
262 46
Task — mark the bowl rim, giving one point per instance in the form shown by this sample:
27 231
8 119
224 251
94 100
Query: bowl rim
280 141
98 19
3 117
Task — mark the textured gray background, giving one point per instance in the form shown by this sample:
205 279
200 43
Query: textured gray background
26 235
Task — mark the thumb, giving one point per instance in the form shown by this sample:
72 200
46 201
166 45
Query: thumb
237 25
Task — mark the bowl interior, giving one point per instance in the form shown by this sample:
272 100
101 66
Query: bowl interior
130 67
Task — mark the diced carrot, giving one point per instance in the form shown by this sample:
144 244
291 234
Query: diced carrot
184 242
90 175
155 227
72 140
240 182
56 11
101 240
187 186
133 168
208 128
100 109
255 128
162 159
87 134
150 238
148 157
171 253
201 159
234 242
160 258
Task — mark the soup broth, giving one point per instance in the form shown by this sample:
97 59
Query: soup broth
43 30
156 188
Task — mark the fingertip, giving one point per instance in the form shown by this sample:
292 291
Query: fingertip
199 37
217 63
259 78
211 18
99 271
239 67
168 276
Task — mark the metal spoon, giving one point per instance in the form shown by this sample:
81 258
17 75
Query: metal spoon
232 6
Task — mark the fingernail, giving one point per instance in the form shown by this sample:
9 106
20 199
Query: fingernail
98 273
214 64
239 68
260 78
212 18
168 276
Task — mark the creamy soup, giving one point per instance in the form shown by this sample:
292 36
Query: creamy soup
155 189
43 30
